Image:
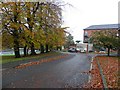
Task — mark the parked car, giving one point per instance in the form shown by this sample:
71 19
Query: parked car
102 51
72 50
84 50
91 50
78 50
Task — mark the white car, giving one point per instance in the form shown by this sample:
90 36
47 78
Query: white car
78 50
102 51
72 50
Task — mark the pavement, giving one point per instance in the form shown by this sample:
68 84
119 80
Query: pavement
63 73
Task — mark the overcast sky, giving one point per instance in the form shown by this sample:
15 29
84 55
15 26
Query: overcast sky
89 12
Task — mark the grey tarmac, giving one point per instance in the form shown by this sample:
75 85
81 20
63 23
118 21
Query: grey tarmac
63 73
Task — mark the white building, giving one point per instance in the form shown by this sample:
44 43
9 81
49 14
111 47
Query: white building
83 47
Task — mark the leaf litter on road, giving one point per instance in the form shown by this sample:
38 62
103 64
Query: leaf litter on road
24 65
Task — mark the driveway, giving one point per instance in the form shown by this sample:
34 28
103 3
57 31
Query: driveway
66 72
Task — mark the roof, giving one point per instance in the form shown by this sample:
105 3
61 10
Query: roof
103 27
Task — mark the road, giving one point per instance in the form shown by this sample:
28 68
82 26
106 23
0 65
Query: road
62 73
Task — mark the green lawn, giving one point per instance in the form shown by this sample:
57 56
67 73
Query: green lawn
10 58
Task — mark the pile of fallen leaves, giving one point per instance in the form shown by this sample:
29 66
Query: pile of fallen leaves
40 61
110 70
109 66
96 80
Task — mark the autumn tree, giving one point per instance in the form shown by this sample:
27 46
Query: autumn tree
50 21
57 38
11 23
106 39
30 12
32 24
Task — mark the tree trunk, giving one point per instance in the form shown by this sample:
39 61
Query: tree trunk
16 48
16 37
60 48
46 48
33 49
25 50
57 48
42 48
108 51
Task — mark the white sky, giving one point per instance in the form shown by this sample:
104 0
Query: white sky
89 12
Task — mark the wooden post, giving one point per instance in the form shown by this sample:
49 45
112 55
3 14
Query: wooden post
87 48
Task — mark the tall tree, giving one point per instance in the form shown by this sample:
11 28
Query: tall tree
31 24
31 9
11 22
51 21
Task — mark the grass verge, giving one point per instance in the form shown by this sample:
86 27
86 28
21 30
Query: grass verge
11 58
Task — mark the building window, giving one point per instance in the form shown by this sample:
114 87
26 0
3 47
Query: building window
86 33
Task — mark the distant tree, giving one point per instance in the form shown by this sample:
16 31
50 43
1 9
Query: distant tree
69 41
106 39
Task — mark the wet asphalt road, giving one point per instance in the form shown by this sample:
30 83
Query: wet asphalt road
62 73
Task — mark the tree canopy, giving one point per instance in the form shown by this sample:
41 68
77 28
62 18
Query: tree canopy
106 39
32 25
69 41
